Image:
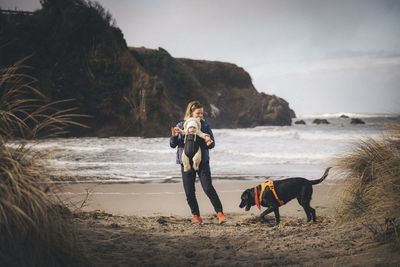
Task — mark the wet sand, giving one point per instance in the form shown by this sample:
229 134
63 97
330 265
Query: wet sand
150 225
169 199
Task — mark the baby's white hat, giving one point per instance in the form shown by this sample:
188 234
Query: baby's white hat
192 124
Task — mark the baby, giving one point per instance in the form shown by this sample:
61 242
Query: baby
191 150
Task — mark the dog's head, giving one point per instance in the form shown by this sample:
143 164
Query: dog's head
247 199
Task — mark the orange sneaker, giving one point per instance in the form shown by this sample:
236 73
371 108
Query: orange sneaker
197 219
221 218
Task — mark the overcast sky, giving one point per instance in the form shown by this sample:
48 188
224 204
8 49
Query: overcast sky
321 56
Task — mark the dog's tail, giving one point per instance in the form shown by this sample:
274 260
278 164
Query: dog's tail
322 178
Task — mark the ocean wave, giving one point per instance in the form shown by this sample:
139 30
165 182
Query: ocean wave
152 151
299 161
240 153
292 133
81 148
66 163
291 155
320 135
349 114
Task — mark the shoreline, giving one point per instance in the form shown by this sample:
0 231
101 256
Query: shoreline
168 199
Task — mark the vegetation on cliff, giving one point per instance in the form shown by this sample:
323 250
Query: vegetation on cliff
77 52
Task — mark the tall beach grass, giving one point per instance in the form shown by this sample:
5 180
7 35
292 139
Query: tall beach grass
371 191
35 230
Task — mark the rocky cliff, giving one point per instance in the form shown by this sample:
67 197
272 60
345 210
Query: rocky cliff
232 101
225 89
76 52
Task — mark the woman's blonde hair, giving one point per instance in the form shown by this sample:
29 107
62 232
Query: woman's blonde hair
192 106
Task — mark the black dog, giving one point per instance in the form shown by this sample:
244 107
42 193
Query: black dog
285 190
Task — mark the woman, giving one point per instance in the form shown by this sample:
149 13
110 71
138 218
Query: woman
195 110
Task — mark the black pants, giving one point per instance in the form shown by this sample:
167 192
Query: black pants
189 179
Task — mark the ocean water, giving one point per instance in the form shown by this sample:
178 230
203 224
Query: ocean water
240 154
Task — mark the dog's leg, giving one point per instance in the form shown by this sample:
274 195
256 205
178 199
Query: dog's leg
314 218
277 216
269 210
307 209
304 199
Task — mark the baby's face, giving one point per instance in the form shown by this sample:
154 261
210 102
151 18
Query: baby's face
192 130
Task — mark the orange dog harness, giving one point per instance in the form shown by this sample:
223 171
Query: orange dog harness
257 198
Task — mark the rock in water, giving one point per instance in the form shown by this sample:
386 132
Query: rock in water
320 121
357 121
300 122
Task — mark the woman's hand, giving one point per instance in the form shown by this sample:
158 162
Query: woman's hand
208 140
175 131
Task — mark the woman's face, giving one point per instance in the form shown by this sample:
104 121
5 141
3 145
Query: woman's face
198 113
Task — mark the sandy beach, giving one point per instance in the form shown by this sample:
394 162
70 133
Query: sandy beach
168 199
150 224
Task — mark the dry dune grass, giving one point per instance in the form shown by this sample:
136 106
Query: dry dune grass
35 230
371 192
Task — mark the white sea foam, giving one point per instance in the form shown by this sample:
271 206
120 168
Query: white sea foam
349 114
300 150
268 161
151 151
279 155
293 133
66 163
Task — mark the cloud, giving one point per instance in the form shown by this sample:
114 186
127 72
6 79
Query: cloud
354 62
358 54
345 65
349 60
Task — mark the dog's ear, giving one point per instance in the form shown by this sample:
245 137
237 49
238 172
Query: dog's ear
246 195
250 201
244 199
247 199
250 195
